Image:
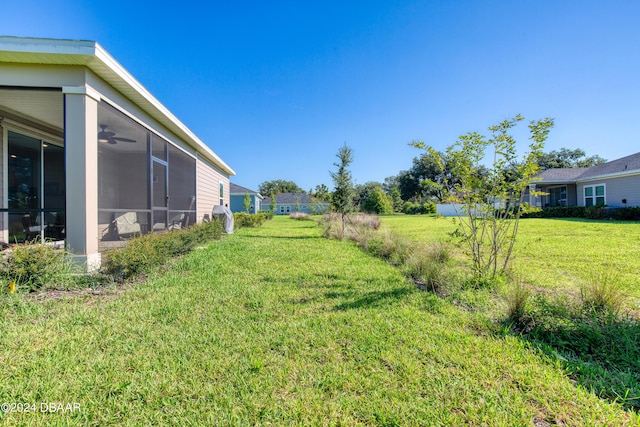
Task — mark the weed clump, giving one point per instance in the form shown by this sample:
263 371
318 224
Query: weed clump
602 295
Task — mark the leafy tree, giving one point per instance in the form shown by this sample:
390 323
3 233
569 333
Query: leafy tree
343 193
567 158
322 193
364 191
247 202
396 199
429 176
272 204
378 202
491 204
296 205
279 186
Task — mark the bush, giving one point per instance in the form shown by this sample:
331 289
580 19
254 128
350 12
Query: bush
626 214
35 266
588 212
243 219
378 203
149 251
410 208
267 214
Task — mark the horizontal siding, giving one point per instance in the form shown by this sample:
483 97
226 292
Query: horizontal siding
616 189
208 188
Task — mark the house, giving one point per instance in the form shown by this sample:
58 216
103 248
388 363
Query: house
89 156
615 184
238 193
296 202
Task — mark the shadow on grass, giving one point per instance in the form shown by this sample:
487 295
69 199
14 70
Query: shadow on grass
371 299
601 353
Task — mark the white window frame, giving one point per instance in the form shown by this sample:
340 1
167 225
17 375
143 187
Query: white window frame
594 197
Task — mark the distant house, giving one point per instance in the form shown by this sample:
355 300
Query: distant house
237 194
615 184
287 203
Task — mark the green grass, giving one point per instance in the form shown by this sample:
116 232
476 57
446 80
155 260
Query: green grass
553 253
278 326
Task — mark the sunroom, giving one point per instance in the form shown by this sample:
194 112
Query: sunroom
89 156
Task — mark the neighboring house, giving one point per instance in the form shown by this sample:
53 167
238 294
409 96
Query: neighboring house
287 203
237 194
615 184
89 155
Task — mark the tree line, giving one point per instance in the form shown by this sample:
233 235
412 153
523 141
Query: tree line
425 183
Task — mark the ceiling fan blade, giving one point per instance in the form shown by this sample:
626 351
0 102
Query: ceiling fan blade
112 141
119 138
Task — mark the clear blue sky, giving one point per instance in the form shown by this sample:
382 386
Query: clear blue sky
276 88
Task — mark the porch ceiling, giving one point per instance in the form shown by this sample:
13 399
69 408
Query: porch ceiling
40 106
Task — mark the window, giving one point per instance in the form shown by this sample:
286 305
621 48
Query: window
594 195
221 194
558 196
281 209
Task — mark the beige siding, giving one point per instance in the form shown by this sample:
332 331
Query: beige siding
208 188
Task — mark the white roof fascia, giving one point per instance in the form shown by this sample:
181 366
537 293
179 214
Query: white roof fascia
97 59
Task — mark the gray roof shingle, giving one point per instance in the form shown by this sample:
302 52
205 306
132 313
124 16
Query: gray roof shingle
289 199
625 164
238 189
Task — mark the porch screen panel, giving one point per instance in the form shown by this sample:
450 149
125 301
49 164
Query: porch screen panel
123 175
182 187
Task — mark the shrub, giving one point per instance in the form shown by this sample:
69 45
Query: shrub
149 251
243 219
301 216
626 214
35 266
410 208
267 214
588 212
378 203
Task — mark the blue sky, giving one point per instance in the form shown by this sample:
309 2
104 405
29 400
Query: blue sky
276 88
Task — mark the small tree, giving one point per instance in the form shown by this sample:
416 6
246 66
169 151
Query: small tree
491 203
296 205
378 202
343 193
247 202
272 205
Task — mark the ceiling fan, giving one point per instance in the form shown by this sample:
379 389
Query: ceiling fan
110 137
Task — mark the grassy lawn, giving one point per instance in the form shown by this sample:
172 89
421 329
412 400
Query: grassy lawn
278 326
554 253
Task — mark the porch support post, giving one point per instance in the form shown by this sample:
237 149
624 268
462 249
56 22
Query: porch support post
532 198
81 164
